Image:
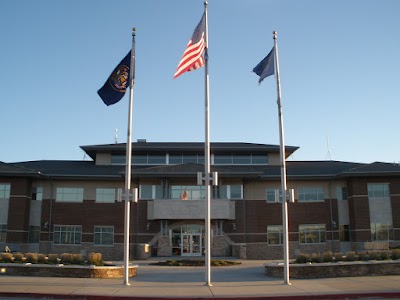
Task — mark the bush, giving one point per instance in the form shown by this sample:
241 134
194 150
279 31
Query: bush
338 256
18 257
395 254
385 255
363 256
302 258
316 258
41 258
350 256
66 258
95 259
77 259
31 258
6 257
327 256
374 255
53 258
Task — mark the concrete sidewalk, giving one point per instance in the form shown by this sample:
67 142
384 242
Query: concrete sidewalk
246 280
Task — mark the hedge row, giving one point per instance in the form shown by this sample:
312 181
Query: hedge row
65 258
329 256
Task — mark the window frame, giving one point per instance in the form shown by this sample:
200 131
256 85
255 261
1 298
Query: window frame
102 233
372 188
62 192
102 195
5 190
312 228
74 234
310 194
273 230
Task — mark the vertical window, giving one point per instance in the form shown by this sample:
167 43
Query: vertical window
3 232
146 192
270 195
312 234
37 193
69 195
381 232
105 195
308 194
378 190
344 233
235 191
34 234
5 191
104 235
67 234
341 193
275 234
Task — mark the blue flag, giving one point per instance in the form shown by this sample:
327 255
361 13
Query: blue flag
266 67
116 85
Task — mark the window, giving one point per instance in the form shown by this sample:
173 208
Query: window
275 234
3 232
381 232
242 159
104 235
5 191
69 195
149 159
312 234
105 195
341 193
378 190
270 195
37 193
67 235
187 192
228 192
150 192
185 158
308 194
235 191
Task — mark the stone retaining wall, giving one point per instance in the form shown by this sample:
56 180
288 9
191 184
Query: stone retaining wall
339 269
41 270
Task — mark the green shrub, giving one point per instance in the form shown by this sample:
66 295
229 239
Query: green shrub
327 256
395 254
6 257
18 257
316 258
374 255
77 259
95 259
52 259
41 258
302 258
385 255
350 256
363 256
338 256
31 258
66 258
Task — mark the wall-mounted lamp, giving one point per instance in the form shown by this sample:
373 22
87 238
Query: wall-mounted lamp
148 226
234 227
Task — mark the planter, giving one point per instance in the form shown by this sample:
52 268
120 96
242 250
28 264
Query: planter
42 270
339 269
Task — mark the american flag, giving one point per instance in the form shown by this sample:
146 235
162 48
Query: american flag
192 58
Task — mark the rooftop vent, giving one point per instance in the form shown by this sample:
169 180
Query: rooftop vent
141 140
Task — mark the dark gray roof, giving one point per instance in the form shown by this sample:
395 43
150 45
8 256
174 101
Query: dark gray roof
164 147
12 170
374 169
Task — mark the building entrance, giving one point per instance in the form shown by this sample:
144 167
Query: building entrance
188 240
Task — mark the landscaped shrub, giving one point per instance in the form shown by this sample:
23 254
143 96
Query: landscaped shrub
374 255
338 256
302 258
41 258
327 256
66 258
52 259
18 257
385 255
95 259
31 258
316 258
363 256
350 256
395 254
77 259
6 257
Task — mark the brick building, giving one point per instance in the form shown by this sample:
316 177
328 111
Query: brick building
73 206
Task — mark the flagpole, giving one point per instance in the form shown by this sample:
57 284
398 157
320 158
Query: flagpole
128 166
207 220
283 166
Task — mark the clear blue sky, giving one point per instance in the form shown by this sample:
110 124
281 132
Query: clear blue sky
339 63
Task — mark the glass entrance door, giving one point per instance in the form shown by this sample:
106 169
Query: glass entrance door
191 244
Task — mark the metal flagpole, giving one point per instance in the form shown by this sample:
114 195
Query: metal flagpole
128 166
283 166
207 220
